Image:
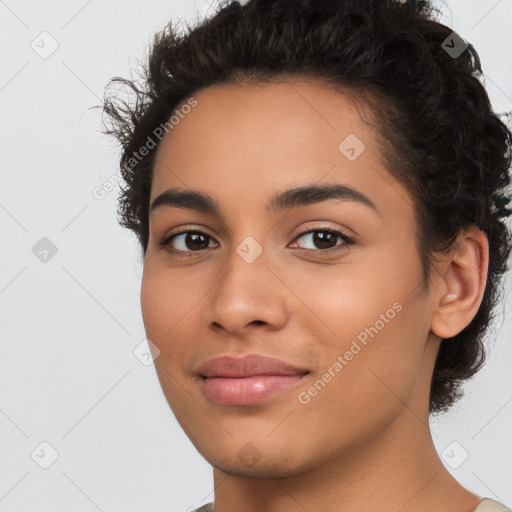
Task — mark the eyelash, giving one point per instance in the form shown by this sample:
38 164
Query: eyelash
347 241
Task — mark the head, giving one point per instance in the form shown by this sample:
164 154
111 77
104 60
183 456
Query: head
410 167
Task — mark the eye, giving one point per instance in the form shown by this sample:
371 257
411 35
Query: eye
325 239
186 242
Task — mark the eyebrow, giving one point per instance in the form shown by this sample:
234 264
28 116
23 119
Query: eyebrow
292 198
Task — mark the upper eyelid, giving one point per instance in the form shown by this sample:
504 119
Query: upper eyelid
187 229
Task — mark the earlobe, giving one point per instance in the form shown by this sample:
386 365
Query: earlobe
462 286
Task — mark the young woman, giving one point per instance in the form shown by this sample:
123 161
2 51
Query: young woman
319 188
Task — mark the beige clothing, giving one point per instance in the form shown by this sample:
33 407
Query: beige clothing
486 505
489 505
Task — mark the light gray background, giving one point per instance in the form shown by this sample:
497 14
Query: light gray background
68 375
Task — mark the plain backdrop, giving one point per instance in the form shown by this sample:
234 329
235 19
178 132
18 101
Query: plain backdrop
73 395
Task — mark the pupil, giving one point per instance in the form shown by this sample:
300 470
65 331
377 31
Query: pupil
320 238
192 238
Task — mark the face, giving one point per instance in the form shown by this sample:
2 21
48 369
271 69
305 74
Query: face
330 282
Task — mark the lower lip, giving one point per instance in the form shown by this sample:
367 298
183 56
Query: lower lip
248 390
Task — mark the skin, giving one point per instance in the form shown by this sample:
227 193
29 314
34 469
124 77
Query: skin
363 442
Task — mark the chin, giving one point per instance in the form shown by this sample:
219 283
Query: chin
253 462
262 469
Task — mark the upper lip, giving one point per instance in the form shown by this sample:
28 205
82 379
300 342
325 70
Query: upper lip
246 366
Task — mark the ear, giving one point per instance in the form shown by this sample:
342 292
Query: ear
461 283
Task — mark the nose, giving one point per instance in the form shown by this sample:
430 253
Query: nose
248 296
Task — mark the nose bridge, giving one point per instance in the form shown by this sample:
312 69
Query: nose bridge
247 274
247 292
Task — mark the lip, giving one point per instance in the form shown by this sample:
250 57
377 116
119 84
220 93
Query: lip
247 380
247 366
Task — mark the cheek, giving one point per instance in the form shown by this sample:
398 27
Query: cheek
362 386
172 302
341 302
165 304
167 299
164 309
370 329
156 304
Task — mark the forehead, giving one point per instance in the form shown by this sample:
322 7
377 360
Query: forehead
266 118
245 141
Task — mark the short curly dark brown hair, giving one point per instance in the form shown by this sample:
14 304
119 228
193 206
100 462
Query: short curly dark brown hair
438 132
